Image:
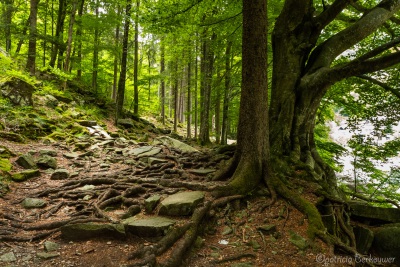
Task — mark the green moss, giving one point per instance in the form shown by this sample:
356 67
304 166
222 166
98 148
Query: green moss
25 175
5 165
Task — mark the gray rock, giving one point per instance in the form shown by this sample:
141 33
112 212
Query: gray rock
48 152
171 142
26 161
363 211
51 246
145 151
268 228
84 231
181 204
126 123
46 162
227 230
87 123
387 243
50 101
153 161
47 255
364 238
32 203
298 240
60 174
132 211
151 202
72 155
148 227
8 257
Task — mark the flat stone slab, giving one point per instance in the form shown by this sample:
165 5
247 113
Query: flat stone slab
181 204
171 142
375 213
145 151
84 231
32 203
148 227
202 172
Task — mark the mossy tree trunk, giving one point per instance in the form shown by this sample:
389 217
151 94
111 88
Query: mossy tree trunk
31 62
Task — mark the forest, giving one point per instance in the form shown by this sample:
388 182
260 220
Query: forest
279 118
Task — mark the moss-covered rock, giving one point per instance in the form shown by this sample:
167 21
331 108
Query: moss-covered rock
387 243
46 162
5 152
12 137
25 175
26 161
83 231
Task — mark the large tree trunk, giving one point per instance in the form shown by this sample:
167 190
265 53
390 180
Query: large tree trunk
70 32
250 163
96 44
79 40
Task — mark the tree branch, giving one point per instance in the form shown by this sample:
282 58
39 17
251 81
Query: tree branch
331 13
326 52
357 68
381 84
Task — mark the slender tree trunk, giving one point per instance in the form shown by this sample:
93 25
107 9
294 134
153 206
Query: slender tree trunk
225 108
58 38
8 9
122 76
30 64
217 115
189 98
175 94
196 108
162 72
136 63
69 41
115 81
24 33
79 39
208 58
45 33
96 50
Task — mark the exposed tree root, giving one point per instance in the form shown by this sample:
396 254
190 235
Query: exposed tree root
235 257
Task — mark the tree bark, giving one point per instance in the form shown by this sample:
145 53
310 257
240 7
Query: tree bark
31 62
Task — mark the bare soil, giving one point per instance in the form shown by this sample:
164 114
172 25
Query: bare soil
216 246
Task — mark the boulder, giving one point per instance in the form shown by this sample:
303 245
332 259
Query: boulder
387 243
148 227
144 151
374 215
26 161
126 123
50 101
5 152
181 204
151 202
60 174
171 142
48 152
46 162
364 239
25 175
12 137
84 231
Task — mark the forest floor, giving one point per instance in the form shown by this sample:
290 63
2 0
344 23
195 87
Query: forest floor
231 236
